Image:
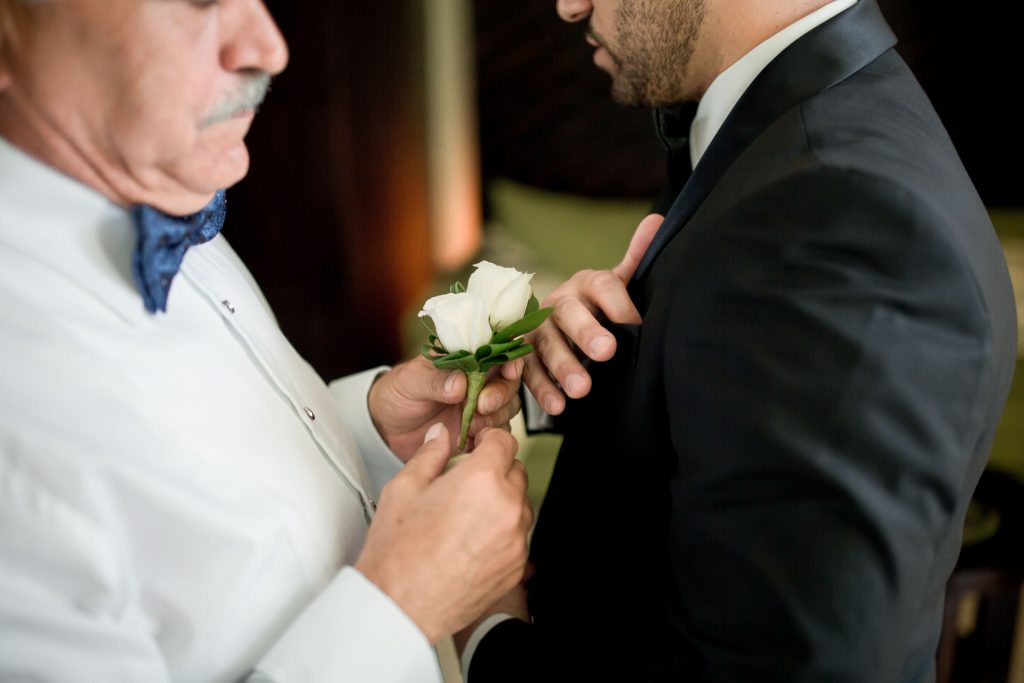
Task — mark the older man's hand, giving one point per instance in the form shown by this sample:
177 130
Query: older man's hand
408 399
445 546
574 324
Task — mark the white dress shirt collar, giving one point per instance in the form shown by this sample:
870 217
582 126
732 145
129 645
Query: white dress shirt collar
726 90
70 228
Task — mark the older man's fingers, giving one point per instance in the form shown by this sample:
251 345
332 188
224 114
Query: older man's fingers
499 419
498 392
419 380
429 461
496 448
513 370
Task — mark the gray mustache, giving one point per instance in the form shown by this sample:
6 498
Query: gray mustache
250 95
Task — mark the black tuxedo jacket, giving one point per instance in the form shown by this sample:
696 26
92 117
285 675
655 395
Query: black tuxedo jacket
768 481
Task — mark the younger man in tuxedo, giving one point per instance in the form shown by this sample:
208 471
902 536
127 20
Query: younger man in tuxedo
764 477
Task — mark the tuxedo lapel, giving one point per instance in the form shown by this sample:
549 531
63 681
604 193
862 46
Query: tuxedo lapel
825 56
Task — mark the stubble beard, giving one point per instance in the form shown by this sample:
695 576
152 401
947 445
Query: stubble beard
656 41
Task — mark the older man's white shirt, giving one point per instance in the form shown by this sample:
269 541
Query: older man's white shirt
180 494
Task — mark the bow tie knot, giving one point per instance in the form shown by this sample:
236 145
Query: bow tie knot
161 243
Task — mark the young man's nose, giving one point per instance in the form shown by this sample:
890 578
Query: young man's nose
574 10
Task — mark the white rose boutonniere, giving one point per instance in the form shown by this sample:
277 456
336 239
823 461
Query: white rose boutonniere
480 327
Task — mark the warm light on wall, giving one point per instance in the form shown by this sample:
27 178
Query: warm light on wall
453 159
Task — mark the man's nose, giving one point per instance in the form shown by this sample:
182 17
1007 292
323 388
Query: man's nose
256 44
574 10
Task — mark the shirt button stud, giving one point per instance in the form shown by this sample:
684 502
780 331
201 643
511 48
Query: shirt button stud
228 305
309 414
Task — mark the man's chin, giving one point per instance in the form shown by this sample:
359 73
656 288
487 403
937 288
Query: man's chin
193 184
627 95
223 168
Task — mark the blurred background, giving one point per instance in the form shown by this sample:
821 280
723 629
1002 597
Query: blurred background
409 138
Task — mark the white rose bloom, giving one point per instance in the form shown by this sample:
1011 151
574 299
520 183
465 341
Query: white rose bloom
505 292
460 321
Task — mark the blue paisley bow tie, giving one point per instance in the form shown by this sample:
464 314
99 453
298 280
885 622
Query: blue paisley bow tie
161 243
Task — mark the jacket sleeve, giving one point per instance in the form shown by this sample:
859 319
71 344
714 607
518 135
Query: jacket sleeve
826 392
827 373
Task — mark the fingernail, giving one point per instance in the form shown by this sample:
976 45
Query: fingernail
433 432
449 384
486 403
575 384
600 345
551 405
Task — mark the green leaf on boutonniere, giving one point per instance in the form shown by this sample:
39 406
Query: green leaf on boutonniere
492 362
466 363
519 352
527 324
494 349
457 288
502 358
531 306
429 324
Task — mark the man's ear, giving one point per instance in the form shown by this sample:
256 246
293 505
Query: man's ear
5 73
5 68
12 23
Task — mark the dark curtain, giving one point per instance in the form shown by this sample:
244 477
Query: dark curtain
332 218
547 119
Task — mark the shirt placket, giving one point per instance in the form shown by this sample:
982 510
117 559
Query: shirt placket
245 319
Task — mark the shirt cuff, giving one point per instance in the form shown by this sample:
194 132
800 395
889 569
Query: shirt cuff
536 419
351 632
478 635
352 394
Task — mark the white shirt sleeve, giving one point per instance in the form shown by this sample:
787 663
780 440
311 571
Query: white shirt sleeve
351 632
65 613
351 395
68 613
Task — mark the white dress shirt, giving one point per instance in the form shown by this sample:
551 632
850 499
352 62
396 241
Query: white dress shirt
728 87
181 495
715 106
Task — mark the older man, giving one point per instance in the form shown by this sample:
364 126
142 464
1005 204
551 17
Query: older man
769 479
181 497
